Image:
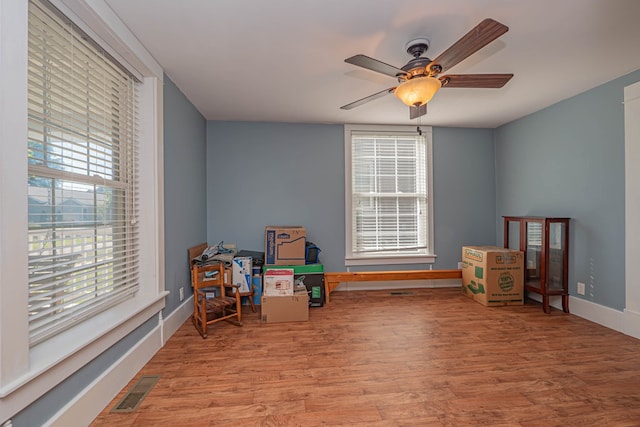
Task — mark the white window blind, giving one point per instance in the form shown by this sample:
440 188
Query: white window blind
389 195
82 203
534 234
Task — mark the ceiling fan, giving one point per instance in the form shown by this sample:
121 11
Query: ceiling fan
419 79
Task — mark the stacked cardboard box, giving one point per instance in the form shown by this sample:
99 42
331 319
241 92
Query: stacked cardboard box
281 301
285 308
284 246
277 281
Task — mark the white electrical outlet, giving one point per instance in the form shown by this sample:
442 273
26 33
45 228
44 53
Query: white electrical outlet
181 293
581 288
460 266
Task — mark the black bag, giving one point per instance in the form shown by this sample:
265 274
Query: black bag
311 253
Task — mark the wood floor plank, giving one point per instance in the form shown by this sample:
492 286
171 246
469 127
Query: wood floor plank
433 358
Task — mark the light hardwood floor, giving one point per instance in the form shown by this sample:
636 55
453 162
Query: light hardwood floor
434 358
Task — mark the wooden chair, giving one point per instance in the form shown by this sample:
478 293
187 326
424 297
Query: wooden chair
213 299
250 296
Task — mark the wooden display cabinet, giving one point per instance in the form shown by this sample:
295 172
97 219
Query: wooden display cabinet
545 243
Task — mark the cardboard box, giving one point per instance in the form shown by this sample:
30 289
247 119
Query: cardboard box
277 281
492 275
312 277
241 275
291 308
284 245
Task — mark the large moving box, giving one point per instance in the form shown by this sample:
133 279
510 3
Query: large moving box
284 245
493 275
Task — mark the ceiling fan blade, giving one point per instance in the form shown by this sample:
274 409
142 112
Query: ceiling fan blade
415 112
366 99
480 36
375 65
475 80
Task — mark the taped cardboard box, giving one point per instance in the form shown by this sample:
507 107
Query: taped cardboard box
493 276
284 245
287 308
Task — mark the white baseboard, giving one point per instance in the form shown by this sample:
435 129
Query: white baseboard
632 323
605 316
626 322
88 404
177 317
400 284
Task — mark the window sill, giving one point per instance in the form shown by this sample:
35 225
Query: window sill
390 260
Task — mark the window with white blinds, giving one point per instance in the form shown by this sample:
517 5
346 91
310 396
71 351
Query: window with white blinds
389 194
82 153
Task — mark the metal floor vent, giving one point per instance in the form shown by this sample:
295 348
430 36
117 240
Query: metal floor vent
395 293
132 399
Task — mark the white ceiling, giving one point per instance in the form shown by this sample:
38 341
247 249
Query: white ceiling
283 60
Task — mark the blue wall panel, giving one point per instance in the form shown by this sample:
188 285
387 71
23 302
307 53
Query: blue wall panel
184 189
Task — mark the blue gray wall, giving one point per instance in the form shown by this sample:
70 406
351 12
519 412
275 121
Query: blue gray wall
568 160
185 207
463 191
261 174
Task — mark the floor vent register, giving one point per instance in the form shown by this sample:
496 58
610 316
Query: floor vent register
132 399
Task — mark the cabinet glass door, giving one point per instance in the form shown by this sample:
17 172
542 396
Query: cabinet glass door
555 271
533 260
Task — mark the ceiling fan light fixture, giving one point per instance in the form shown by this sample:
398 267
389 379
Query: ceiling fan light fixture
418 90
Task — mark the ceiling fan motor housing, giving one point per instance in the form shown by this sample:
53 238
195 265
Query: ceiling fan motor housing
417 67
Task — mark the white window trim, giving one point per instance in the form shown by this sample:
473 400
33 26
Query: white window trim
350 258
26 374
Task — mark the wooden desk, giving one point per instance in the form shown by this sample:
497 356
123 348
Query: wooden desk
332 279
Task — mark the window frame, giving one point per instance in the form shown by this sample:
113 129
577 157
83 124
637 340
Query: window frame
82 156
354 259
27 373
